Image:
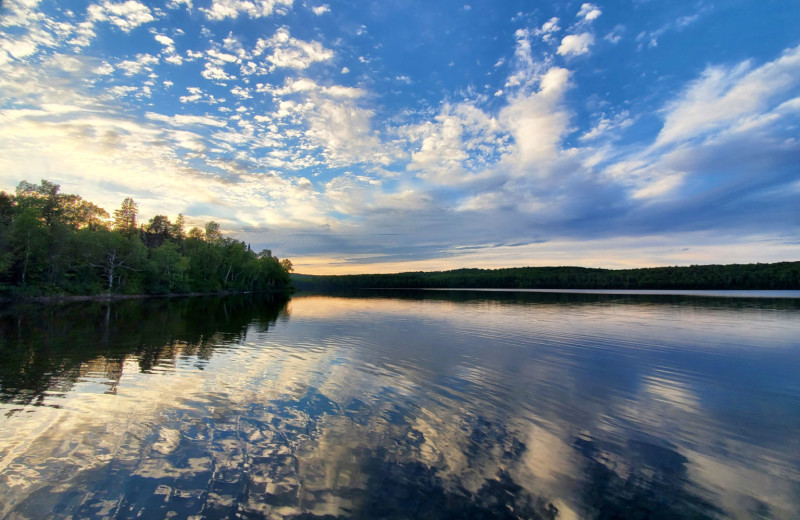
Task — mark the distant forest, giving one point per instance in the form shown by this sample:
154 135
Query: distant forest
53 243
783 275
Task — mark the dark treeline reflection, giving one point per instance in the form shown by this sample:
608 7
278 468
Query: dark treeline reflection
45 348
561 299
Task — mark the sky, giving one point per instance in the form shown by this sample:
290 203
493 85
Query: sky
385 136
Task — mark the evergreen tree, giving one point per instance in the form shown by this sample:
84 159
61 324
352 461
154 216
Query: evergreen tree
125 216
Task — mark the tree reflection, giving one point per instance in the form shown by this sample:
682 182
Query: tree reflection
47 348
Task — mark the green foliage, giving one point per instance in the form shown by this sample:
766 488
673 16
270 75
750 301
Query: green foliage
55 243
783 275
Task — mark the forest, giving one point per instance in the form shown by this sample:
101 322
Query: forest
54 243
783 275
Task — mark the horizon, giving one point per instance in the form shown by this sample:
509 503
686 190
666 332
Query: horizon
377 138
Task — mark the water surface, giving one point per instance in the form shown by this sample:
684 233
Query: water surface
402 405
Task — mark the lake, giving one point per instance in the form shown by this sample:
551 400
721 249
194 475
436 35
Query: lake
402 404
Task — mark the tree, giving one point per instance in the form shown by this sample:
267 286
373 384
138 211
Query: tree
177 231
125 216
286 264
168 269
114 254
196 234
29 244
213 233
160 225
44 197
55 207
204 259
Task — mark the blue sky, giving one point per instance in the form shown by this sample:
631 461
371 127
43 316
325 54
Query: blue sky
390 136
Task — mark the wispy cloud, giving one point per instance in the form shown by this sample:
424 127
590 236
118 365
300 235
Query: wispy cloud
727 97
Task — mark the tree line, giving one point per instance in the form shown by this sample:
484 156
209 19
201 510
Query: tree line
782 275
56 243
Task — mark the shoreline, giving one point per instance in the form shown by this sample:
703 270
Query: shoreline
113 297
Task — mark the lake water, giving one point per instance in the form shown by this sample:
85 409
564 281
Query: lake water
402 405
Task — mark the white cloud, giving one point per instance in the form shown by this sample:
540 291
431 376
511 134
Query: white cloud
724 97
589 12
84 34
344 131
537 122
195 94
459 146
232 44
166 41
174 59
126 15
240 92
607 125
215 73
322 9
338 91
176 4
220 58
526 69
142 63
575 44
221 9
104 69
289 52
547 29
186 120
615 35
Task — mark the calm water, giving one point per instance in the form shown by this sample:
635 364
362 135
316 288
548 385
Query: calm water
402 405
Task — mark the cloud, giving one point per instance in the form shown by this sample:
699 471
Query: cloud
220 58
547 29
176 4
215 73
240 92
186 120
615 35
724 97
344 130
677 25
607 125
221 9
197 95
537 121
167 42
126 15
526 68
575 44
142 63
322 9
589 12
104 69
289 52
